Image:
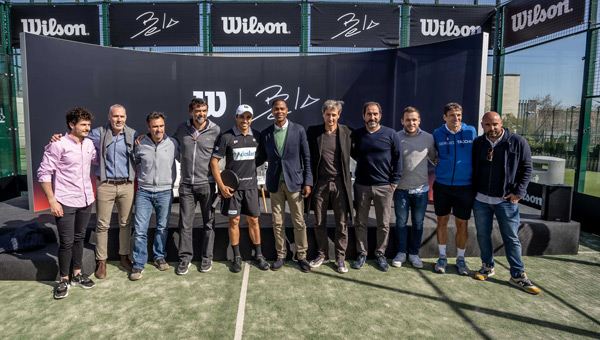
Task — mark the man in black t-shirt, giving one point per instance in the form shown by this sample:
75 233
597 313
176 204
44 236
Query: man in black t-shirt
238 146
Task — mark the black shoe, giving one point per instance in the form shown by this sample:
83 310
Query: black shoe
62 289
237 264
278 264
82 281
182 268
360 260
206 265
382 263
261 263
304 266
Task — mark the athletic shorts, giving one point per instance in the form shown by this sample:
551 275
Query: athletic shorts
243 202
458 199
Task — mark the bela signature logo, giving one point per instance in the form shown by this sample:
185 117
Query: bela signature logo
351 23
275 92
152 24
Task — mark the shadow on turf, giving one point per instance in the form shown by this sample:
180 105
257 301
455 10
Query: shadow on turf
587 263
459 307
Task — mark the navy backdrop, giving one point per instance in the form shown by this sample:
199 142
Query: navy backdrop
60 75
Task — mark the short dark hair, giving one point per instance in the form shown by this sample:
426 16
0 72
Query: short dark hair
197 102
410 109
452 106
277 101
155 115
78 114
367 104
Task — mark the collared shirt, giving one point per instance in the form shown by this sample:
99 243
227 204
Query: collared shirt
485 198
117 161
280 134
69 162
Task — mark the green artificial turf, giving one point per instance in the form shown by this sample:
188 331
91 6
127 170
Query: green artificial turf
404 303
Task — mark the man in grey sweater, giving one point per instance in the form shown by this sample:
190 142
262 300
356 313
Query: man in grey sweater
156 159
412 193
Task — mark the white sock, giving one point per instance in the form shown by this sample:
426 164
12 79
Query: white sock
460 252
442 249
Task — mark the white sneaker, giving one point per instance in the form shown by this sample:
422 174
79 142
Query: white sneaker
415 261
399 260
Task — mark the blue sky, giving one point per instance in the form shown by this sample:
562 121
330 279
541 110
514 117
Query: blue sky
554 68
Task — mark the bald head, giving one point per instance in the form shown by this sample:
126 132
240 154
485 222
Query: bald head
492 125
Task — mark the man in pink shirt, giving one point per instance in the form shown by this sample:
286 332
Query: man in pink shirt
71 199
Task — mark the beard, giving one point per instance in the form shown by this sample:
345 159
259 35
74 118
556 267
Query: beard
372 123
200 120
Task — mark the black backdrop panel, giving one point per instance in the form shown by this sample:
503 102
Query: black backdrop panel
154 24
529 19
61 75
354 25
255 24
431 24
77 23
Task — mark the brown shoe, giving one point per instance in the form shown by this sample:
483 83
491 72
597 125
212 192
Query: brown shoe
100 269
126 263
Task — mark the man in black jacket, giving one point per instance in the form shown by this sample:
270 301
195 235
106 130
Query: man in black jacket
329 145
501 171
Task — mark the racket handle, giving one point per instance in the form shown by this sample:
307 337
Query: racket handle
216 202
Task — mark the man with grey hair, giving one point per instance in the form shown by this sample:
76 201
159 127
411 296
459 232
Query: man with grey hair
329 145
114 143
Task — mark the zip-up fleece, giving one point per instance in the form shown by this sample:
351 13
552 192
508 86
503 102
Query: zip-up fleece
454 155
196 153
156 171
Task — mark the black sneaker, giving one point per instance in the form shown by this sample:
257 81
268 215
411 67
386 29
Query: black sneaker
278 264
237 264
382 263
62 289
359 262
161 264
182 268
261 263
82 281
206 265
304 266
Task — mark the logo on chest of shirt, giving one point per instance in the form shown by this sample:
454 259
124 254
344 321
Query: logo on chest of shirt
244 154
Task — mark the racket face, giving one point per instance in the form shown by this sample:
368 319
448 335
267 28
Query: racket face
230 179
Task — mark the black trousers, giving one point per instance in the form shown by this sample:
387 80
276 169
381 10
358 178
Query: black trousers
189 196
71 234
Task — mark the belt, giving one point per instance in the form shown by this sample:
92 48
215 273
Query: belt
116 181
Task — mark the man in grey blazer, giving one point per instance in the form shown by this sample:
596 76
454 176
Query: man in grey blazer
289 178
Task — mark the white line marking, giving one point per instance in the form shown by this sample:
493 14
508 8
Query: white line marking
239 323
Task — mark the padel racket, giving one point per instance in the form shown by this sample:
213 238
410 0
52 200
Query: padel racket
230 179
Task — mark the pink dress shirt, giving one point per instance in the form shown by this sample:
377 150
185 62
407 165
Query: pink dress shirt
69 162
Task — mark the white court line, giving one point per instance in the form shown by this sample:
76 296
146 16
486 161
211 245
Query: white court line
239 323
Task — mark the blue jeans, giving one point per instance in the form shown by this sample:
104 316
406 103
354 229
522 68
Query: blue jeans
144 202
417 204
507 215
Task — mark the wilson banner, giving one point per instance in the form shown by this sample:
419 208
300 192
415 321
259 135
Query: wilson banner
255 24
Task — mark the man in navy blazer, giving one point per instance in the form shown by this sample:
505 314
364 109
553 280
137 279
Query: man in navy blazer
289 178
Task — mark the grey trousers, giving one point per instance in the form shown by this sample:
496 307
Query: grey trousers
189 196
382 200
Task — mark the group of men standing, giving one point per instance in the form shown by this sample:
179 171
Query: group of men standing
309 167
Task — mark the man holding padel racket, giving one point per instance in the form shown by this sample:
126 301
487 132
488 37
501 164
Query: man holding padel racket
238 184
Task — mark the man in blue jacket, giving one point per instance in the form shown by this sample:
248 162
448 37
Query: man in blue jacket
501 171
452 190
289 178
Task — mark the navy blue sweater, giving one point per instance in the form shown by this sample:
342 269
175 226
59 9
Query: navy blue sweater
378 156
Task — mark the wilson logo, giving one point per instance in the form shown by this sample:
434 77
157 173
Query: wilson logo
538 14
435 27
235 25
211 99
244 154
52 28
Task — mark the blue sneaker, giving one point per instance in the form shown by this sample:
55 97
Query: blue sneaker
359 262
461 266
441 265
